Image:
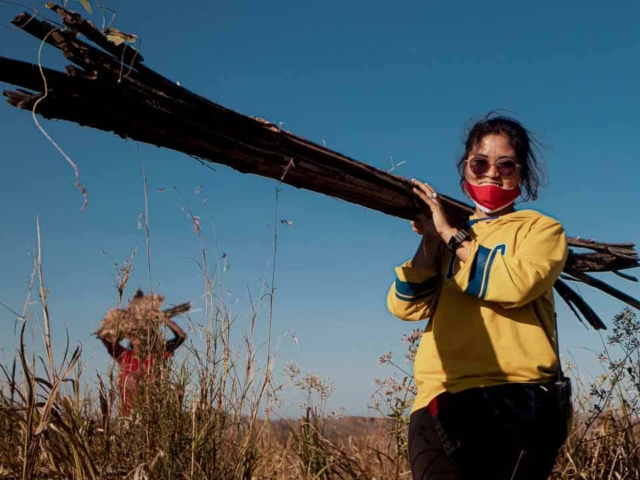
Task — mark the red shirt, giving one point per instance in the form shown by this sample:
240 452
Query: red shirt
130 368
130 364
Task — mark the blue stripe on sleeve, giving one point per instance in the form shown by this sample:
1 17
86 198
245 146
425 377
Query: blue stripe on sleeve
425 294
477 271
502 248
409 289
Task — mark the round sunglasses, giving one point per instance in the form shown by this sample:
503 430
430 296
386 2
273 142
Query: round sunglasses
506 168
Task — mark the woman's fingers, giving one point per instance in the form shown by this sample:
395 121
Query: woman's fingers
426 193
423 224
430 197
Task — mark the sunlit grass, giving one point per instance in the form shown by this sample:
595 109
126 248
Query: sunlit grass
214 413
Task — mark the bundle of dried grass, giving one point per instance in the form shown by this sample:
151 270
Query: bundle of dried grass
142 318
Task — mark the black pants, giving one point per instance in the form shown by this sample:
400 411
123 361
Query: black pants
511 431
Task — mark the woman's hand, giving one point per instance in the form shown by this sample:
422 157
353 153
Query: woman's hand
428 253
423 225
419 225
438 223
438 220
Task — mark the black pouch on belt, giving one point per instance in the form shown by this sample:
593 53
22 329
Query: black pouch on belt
562 388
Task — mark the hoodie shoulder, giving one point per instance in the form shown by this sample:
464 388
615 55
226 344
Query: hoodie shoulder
532 216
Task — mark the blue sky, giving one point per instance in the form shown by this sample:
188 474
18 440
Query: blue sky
372 80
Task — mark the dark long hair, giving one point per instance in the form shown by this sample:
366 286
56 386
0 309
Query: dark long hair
525 145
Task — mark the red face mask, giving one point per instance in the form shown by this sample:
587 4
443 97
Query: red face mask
491 198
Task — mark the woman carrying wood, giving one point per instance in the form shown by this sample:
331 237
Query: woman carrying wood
140 323
492 401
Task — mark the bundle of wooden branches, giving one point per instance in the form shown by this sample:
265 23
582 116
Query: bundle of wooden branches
110 88
142 318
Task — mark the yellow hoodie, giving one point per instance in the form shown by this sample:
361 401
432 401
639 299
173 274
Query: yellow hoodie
491 317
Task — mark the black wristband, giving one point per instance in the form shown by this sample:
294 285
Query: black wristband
456 240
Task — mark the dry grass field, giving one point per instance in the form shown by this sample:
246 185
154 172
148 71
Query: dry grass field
214 411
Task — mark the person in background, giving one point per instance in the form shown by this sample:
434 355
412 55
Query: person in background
136 362
492 402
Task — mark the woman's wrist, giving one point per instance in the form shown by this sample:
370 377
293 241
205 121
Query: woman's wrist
447 233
